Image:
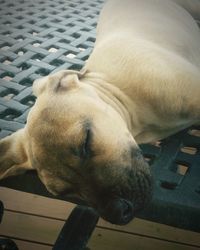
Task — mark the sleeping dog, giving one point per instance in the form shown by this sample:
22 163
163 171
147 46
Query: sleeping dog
140 84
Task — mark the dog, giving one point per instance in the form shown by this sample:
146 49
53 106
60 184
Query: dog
140 84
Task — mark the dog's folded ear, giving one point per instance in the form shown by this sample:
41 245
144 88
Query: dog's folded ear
14 158
61 80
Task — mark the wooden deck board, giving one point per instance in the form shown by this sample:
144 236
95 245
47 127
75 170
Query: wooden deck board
103 239
30 227
35 204
25 245
44 231
38 219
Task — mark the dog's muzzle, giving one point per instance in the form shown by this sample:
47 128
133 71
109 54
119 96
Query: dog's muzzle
135 194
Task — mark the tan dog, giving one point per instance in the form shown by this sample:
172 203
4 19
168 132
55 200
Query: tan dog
140 84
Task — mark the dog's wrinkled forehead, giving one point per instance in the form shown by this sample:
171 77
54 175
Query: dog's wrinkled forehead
60 110
62 95
55 125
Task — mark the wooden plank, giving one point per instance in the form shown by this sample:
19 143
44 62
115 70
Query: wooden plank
34 204
111 240
29 227
25 245
156 230
43 230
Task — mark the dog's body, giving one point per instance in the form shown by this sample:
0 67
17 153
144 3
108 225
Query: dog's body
140 84
154 59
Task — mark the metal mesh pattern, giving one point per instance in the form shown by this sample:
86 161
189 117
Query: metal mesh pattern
42 36
175 164
37 38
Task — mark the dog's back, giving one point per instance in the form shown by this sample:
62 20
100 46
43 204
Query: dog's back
162 22
150 49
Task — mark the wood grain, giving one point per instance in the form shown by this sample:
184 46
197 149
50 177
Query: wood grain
40 219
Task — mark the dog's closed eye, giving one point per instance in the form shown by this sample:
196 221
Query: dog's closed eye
85 148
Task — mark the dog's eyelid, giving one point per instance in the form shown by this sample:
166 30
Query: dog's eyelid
86 143
83 150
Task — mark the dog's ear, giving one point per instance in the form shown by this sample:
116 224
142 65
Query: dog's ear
64 79
14 157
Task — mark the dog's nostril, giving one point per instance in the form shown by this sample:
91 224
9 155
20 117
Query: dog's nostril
127 211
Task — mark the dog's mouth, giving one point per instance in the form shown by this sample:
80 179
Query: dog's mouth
70 195
117 210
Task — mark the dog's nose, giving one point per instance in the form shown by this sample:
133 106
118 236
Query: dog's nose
119 211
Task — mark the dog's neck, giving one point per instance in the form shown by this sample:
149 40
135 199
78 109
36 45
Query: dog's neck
144 129
114 97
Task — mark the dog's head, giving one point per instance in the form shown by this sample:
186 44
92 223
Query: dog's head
80 146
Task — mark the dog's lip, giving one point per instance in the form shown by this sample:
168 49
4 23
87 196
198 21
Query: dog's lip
74 197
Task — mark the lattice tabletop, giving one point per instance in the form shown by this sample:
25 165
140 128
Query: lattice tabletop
36 38
42 36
